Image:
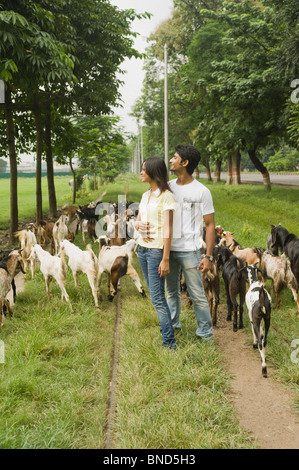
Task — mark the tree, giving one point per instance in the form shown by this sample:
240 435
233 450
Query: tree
30 57
41 43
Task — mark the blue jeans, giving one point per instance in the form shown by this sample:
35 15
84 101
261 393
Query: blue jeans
188 262
150 259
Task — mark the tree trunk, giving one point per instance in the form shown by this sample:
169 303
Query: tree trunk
236 166
14 217
74 181
196 171
50 169
217 172
39 133
260 167
229 170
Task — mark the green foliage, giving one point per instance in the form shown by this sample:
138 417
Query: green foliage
284 161
227 85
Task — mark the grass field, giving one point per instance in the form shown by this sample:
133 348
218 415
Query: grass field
55 380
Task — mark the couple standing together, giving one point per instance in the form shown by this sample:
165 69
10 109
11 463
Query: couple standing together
170 220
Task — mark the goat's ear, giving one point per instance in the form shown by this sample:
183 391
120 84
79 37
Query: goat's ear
273 226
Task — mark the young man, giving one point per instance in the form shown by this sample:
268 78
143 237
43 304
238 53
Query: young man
194 205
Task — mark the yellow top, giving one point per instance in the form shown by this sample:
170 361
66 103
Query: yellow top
152 206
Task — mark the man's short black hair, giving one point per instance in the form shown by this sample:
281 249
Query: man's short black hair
190 153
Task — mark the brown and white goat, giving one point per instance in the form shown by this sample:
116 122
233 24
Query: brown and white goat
44 233
52 266
278 269
258 303
27 240
250 255
7 273
82 262
60 231
116 261
211 284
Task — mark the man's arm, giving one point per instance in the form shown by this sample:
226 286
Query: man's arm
205 265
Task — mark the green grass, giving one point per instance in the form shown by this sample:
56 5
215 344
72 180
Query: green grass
55 381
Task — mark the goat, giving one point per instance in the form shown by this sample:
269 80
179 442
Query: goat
258 303
211 284
116 261
250 255
52 266
44 233
288 243
114 231
82 261
27 240
235 284
60 231
278 269
88 226
8 268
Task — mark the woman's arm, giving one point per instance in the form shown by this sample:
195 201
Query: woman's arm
164 265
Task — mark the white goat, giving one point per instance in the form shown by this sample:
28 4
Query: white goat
116 261
60 231
27 240
82 261
258 302
52 266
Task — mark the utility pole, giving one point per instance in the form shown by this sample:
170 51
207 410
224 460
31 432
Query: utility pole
165 107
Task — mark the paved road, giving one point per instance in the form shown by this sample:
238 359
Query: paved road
256 178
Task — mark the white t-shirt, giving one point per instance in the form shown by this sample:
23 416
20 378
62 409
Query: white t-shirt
193 201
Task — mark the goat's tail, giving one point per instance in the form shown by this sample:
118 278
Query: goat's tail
19 234
63 262
262 298
93 256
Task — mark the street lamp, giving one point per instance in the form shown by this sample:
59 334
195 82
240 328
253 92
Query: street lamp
165 107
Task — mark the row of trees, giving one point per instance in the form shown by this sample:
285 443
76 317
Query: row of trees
231 72
59 60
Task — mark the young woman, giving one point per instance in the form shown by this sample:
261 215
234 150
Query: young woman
154 223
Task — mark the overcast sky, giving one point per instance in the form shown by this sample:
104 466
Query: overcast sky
131 90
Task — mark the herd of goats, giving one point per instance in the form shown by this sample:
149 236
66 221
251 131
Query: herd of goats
244 270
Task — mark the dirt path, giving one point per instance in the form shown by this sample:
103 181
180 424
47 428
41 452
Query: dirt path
263 405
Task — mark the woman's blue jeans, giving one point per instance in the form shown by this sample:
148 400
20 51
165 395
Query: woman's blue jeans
150 259
188 262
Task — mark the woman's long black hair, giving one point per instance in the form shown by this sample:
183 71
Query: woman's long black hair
156 169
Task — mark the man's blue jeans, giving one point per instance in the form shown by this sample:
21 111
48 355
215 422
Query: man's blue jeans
150 259
188 262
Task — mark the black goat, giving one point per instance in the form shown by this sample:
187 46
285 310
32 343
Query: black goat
234 276
288 243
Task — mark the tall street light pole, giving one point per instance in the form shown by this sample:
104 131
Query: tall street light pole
165 107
